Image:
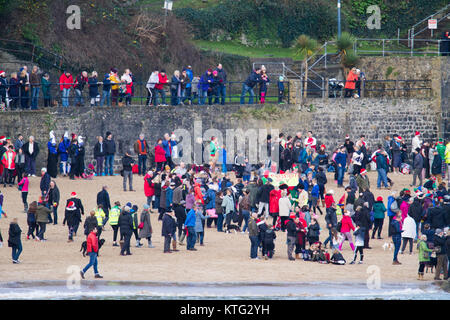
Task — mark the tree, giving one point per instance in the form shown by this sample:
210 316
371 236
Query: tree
306 47
344 45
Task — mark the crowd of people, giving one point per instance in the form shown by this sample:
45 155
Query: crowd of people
23 89
243 197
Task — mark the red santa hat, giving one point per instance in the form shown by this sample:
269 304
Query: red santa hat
2 138
292 215
347 137
323 146
417 133
73 194
363 171
2 72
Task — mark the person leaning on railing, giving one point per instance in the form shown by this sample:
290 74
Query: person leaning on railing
65 84
350 84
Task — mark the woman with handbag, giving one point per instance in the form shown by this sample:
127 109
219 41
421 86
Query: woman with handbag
145 226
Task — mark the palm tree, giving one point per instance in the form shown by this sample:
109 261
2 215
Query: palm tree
344 45
306 47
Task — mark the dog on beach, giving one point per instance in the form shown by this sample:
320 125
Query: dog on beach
84 246
231 227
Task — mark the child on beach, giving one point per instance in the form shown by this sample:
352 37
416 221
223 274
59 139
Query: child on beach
269 240
424 255
337 258
359 242
336 239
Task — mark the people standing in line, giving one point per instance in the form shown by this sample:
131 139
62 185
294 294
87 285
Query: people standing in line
127 162
99 155
141 148
110 150
14 240
92 250
31 150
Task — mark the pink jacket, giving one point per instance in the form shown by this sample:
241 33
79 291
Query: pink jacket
404 208
24 183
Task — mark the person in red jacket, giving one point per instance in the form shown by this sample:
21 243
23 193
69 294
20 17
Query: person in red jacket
346 228
8 162
160 156
159 87
149 187
350 84
274 209
329 200
92 250
65 83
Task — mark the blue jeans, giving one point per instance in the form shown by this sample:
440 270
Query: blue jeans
221 92
142 160
202 94
201 236
109 162
340 178
34 98
106 97
397 239
220 222
246 89
79 97
65 97
246 215
329 238
382 176
254 242
162 93
16 251
92 262
192 236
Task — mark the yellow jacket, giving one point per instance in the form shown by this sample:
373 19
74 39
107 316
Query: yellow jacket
114 79
447 153
100 215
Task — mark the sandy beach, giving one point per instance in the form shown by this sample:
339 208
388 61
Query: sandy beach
224 258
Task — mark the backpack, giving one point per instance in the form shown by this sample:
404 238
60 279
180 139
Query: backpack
394 206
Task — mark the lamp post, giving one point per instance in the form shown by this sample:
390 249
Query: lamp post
339 18
167 6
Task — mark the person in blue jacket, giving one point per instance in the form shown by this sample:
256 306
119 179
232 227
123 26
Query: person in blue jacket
210 200
63 151
168 144
396 236
190 225
106 94
205 86
188 93
341 161
93 88
253 79
224 158
169 196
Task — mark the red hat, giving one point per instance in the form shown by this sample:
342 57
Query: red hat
323 146
73 194
292 215
210 70
417 133
399 138
2 71
363 171
2 138
71 204
347 137
380 199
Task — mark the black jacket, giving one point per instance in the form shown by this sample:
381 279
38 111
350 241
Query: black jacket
90 224
45 182
269 236
416 210
321 178
313 230
125 223
97 152
436 167
264 193
291 228
72 217
53 195
110 147
103 199
127 163
331 217
441 242
27 152
253 79
14 235
77 203
168 226
363 218
436 216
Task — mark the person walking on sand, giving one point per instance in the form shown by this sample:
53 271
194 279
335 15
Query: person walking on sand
145 226
42 214
14 241
126 230
396 236
92 250
23 187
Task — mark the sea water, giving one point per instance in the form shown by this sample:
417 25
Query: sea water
58 290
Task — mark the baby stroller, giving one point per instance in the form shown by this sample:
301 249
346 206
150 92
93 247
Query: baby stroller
334 88
89 172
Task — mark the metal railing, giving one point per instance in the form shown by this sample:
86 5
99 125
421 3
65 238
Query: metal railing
412 31
233 93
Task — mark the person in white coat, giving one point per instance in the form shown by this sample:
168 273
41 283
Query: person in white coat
408 234
284 206
152 81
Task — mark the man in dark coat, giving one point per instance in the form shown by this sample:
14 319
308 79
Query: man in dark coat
103 199
31 151
169 227
331 220
80 211
126 230
45 182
